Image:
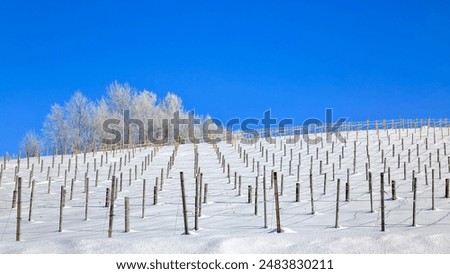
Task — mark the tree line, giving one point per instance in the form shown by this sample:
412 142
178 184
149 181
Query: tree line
78 124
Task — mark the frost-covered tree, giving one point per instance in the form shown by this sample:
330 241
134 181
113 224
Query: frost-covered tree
80 120
55 129
80 125
101 114
119 97
145 108
31 144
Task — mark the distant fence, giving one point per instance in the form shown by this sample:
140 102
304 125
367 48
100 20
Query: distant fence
346 126
296 130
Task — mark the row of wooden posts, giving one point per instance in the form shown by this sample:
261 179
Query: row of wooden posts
111 194
274 182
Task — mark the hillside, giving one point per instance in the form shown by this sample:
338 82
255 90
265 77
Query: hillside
228 223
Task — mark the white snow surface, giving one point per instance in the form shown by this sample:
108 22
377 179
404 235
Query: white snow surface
228 224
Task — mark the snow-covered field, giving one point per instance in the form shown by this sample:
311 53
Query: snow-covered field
228 223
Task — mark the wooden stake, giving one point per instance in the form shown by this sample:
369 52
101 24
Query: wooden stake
183 196
144 190
19 209
155 195
277 203
205 194
432 197
256 197
447 188
371 192
265 200
107 198
383 223
127 214
31 200
347 187
414 202
111 208
311 188
87 200
394 191
61 206
337 204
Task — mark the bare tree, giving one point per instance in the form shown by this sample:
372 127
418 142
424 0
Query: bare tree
31 144
80 119
56 129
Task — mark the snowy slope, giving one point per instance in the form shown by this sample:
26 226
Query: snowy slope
228 223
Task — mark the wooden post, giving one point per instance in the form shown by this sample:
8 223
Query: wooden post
240 185
200 188
49 185
250 194
414 202
155 195
14 199
334 173
432 177
129 176
183 196
31 200
197 197
205 194
337 204
347 187
371 193
404 171
447 188
96 178
144 190
297 193
87 200
135 172
19 209
61 206
311 189
127 214
121 181
383 223
107 198
325 184
432 197
265 200
394 191
277 203
111 207
256 197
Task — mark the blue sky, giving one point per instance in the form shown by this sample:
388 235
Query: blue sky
365 59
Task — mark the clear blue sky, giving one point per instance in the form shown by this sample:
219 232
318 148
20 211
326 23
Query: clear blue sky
365 59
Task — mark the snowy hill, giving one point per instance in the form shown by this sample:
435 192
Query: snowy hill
228 223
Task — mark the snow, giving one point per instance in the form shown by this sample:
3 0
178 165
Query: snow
228 224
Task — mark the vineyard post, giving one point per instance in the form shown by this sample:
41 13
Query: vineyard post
19 209
277 203
127 214
111 209
31 200
144 186
337 203
383 224
61 209
183 196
